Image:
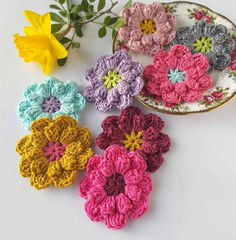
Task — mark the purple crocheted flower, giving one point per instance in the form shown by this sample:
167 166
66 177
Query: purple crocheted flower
113 81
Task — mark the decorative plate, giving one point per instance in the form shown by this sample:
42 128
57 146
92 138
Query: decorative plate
224 85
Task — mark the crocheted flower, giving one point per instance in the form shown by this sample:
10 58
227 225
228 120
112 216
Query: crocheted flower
116 187
209 39
54 151
177 76
50 99
113 81
147 27
136 132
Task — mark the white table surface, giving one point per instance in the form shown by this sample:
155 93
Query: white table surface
194 192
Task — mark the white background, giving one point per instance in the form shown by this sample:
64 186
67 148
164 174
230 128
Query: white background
194 192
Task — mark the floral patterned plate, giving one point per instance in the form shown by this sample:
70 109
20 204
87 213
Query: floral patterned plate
224 85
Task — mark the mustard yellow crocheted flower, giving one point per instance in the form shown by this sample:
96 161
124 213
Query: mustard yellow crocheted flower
54 151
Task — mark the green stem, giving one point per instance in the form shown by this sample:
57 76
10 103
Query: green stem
68 11
71 41
103 25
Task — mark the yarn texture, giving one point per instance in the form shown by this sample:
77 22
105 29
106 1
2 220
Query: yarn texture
54 151
177 76
147 28
50 99
113 81
116 187
210 39
136 132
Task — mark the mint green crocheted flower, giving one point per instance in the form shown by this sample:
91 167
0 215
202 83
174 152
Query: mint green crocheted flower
50 99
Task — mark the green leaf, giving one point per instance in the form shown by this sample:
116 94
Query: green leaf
56 18
91 0
128 4
65 40
75 45
114 32
119 23
61 62
61 1
107 20
101 4
62 13
90 13
56 27
76 9
54 7
85 5
113 20
78 31
102 32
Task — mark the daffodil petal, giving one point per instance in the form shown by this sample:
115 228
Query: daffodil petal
58 48
30 31
47 61
40 22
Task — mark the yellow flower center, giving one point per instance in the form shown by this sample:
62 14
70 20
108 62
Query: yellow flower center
148 26
133 141
202 45
111 79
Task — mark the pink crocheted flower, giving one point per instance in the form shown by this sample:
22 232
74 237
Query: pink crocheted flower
136 132
147 27
116 187
177 76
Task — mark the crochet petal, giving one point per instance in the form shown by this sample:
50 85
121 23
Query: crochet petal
93 211
84 187
83 158
108 206
69 162
24 166
113 153
39 165
123 203
84 136
133 192
116 221
54 169
139 208
146 184
39 181
93 163
52 132
102 141
39 125
79 101
110 121
136 162
66 178
58 90
23 144
153 120
122 165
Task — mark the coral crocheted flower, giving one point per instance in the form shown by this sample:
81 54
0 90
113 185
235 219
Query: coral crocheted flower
116 187
135 131
50 99
210 39
177 76
113 81
147 27
54 151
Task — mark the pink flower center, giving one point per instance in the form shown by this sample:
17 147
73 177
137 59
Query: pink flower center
114 185
54 151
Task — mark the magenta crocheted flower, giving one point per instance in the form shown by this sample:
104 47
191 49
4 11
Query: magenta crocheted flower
116 187
177 76
114 81
136 132
147 27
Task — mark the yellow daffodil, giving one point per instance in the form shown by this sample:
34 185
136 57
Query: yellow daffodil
39 44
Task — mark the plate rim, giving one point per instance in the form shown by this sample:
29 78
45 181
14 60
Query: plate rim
190 112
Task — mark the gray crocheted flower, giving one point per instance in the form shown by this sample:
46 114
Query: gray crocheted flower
210 39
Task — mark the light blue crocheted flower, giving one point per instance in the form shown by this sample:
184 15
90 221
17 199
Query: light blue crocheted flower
50 99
